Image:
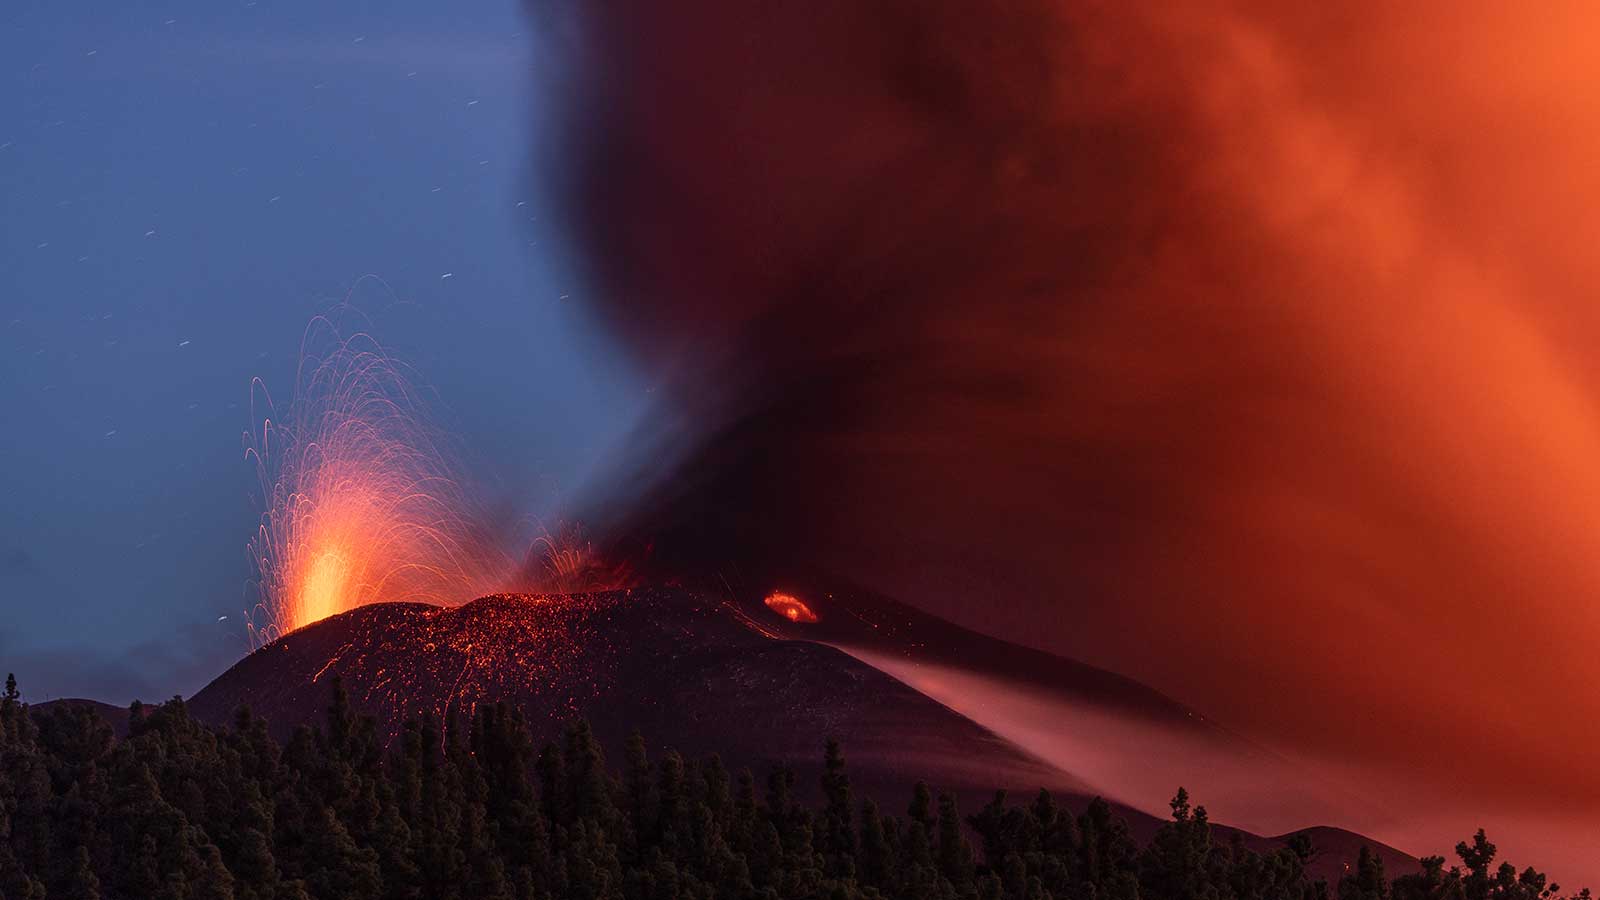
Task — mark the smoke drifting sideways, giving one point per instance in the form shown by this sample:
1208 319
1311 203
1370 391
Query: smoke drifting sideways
1241 349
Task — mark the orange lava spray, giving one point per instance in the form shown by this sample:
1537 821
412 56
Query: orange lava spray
563 560
362 503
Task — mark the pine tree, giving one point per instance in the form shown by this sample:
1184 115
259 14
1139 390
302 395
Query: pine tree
213 881
1477 857
588 785
642 798
178 810
1176 863
876 858
837 839
672 830
1367 881
82 883
553 786
336 867
11 718
744 829
918 874
955 854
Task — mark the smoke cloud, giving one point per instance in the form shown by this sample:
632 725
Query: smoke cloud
1241 349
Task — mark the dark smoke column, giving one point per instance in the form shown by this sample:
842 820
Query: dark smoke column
852 238
1160 338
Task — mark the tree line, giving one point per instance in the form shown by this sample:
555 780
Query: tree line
477 810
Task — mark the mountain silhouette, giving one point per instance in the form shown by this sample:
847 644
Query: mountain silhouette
702 674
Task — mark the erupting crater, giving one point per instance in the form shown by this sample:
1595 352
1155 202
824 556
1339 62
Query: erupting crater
689 671
361 501
790 607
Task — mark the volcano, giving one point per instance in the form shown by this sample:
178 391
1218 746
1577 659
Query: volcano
757 683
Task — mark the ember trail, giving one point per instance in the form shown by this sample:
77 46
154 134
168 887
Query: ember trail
361 501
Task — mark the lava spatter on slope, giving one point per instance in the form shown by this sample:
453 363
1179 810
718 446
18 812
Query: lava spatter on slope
409 660
688 670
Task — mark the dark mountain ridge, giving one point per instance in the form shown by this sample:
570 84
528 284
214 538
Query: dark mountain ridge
697 673
683 669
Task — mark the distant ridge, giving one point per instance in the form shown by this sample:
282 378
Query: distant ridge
115 716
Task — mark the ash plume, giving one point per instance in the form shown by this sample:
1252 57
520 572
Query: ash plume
1244 350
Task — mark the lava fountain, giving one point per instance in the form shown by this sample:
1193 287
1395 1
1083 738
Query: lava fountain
361 501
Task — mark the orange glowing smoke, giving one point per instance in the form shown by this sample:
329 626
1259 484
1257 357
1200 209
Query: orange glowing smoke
1244 348
790 607
361 502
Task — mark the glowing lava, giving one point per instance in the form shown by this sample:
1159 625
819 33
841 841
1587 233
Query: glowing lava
361 501
327 581
790 607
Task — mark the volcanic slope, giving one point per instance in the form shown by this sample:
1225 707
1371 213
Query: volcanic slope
1130 741
688 670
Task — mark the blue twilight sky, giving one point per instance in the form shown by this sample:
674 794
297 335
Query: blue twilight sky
183 185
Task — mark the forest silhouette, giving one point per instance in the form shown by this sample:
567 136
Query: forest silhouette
472 807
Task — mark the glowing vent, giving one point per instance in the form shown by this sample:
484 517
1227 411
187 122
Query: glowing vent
790 607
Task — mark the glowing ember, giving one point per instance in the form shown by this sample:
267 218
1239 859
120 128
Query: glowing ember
551 651
564 561
790 607
361 504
